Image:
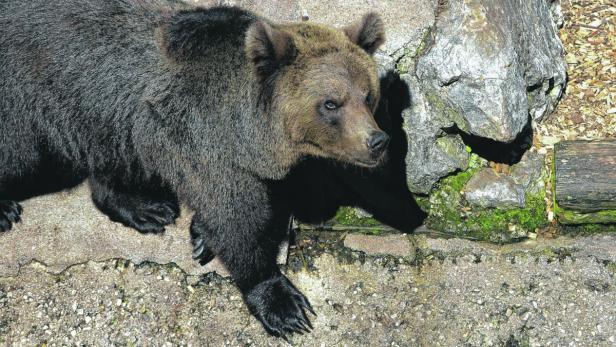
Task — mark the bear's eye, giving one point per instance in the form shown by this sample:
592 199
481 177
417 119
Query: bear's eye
330 105
369 99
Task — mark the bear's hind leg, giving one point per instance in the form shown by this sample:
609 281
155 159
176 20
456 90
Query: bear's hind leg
204 254
10 212
146 210
19 158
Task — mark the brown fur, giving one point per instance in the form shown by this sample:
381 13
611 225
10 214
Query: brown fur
327 65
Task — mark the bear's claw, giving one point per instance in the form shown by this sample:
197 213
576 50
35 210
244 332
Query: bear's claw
280 307
201 252
150 217
10 212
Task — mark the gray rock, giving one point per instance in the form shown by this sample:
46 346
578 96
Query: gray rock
528 172
557 13
483 67
493 62
385 64
489 189
431 154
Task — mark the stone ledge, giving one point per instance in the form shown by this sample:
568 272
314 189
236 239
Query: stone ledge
396 245
63 229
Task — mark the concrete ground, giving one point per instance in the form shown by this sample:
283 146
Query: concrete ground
69 277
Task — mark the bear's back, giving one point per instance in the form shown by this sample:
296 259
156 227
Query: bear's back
106 57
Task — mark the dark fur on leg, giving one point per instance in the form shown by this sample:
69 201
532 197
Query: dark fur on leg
247 240
10 212
146 214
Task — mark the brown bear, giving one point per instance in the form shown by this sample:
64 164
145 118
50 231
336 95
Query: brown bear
157 101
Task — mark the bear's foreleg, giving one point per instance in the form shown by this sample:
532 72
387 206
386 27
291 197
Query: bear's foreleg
244 228
144 210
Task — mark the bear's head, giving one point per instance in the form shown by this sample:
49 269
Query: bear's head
323 83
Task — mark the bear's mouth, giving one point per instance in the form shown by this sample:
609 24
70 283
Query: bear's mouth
370 163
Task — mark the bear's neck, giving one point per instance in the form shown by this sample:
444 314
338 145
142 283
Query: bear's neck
268 153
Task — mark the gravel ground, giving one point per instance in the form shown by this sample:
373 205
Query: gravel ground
448 292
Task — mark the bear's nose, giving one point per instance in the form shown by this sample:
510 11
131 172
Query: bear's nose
377 142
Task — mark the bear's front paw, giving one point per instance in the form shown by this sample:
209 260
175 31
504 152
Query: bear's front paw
201 252
280 307
152 216
10 212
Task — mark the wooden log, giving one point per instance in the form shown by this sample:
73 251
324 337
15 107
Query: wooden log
585 175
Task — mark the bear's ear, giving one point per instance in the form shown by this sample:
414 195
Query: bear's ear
368 33
269 48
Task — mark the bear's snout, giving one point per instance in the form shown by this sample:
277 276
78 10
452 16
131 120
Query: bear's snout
377 143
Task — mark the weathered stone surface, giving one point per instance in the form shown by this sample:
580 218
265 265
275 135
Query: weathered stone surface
64 229
493 62
431 154
447 156
489 189
557 13
404 28
396 245
528 172
483 68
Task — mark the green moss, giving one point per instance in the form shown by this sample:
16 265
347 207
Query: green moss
449 212
529 218
586 229
423 202
348 216
574 217
426 41
612 268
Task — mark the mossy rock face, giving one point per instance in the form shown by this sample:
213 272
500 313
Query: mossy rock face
350 216
585 223
448 212
587 229
407 62
353 219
